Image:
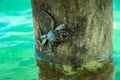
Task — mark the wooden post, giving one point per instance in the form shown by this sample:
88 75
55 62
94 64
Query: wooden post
84 53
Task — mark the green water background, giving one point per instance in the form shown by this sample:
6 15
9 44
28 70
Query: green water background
17 60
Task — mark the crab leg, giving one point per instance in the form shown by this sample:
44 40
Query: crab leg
65 16
43 36
39 57
62 26
52 21
44 42
49 50
38 41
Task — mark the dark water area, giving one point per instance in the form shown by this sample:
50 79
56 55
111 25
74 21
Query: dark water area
17 61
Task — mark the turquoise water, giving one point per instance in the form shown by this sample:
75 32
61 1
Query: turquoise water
116 38
16 41
17 61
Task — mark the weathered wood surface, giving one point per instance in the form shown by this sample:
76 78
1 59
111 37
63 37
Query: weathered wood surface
90 42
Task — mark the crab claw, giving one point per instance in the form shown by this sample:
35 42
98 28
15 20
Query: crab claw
43 36
37 40
44 42
60 27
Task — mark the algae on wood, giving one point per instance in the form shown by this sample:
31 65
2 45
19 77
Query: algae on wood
86 54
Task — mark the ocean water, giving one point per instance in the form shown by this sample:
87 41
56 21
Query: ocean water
116 38
17 60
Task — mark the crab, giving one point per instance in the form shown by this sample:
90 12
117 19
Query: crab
55 34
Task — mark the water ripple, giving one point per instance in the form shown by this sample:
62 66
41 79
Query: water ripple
16 33
116 22
8 34
15 21
14 43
